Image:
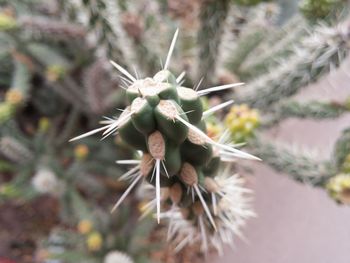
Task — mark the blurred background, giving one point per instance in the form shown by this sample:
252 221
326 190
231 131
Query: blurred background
56 82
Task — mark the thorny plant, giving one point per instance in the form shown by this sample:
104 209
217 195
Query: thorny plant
165 122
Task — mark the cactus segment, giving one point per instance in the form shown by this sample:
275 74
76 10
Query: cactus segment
212 168
172 160
131 135
165 76
196 150
168 92
143 117
131 94
166 113
167 152
153 100
191 104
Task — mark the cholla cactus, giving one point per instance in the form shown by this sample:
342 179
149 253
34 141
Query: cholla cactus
314 57
339 188
166 122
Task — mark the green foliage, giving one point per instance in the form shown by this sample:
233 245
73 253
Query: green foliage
249 2
320 9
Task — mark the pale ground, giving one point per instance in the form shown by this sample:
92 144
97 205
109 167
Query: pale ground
297 223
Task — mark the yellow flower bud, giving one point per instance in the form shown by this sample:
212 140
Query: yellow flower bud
339 188
142 206
7 22
213 130
6 111
14 97
81 151
9 190
85 226
55 72
241 122
94 241
44 124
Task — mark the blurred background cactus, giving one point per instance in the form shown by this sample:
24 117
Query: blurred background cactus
56 82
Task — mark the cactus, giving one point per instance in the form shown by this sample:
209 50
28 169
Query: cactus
313 109
323 50
278 45
301 166
38 27
55 78
342 148
165 121
212 16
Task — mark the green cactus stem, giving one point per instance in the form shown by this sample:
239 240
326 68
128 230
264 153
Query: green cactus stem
297 165
317 54
212 17
342 148
312 110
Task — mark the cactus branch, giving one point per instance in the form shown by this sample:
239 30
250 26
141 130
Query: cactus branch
212 17
342 148
299 166
312 110
317 54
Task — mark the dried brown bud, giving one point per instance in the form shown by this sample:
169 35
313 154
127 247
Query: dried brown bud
176 193
156 145
188 174
197 208
211 185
